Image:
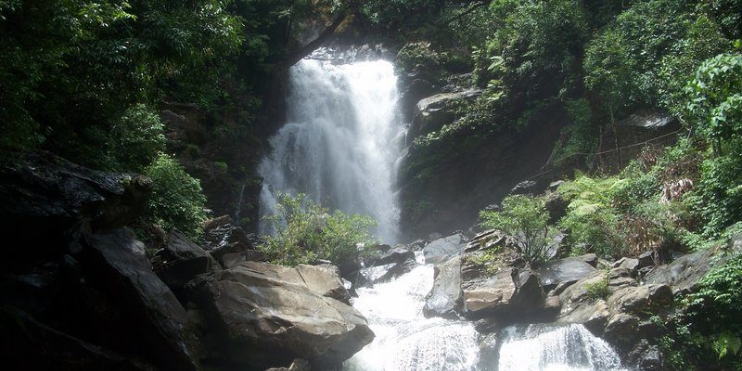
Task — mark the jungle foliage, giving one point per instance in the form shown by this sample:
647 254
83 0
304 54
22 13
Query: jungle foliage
305 231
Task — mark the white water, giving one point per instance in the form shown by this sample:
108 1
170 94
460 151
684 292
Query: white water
407 341
556 348
340 143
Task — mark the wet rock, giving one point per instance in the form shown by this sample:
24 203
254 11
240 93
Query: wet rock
593 314
684 274
646 259
151 307
445 298
435 111
222 238
486 240
621 330
553 273
526 187
591 259
489 293
489 350
629 263
398 255
181 261
393 263
556 205
297 365
620 277
269 314
415 91
646 357
444 248
633 299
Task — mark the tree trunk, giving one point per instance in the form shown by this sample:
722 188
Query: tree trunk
313 45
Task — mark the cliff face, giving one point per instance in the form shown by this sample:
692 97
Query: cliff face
223 149
448 195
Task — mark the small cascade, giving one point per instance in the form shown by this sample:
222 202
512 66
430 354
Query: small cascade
240 200
555 348
405 339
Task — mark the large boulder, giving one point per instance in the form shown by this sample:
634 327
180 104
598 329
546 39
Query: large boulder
387 264
42 197
182 260
269 315
684 274
117 259
563 271
444 248
228 244
445 299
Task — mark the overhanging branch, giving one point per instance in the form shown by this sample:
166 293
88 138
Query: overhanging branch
307 49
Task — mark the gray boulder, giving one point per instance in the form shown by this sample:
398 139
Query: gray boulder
116 258
445 298
554 273
444 248
684 274
181 261
270 313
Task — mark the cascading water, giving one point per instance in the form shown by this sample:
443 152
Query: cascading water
340 143
555 348
407 341
339 147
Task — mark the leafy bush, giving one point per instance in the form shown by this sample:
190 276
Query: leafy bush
418 55
525 219
592 222
137 138
714 311
598 289
721 192
715 101
177 200
305 231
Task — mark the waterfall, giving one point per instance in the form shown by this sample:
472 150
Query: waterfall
407 341
341 141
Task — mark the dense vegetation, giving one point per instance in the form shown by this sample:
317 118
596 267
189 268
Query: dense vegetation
306 232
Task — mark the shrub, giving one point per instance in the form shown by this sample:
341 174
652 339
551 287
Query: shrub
714 311
177 199
137 138
305 231
591 219
598 289
715 102
525 219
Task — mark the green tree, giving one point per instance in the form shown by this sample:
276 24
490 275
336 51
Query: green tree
177 199
525 219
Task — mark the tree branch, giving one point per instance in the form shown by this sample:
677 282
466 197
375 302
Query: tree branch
313 45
